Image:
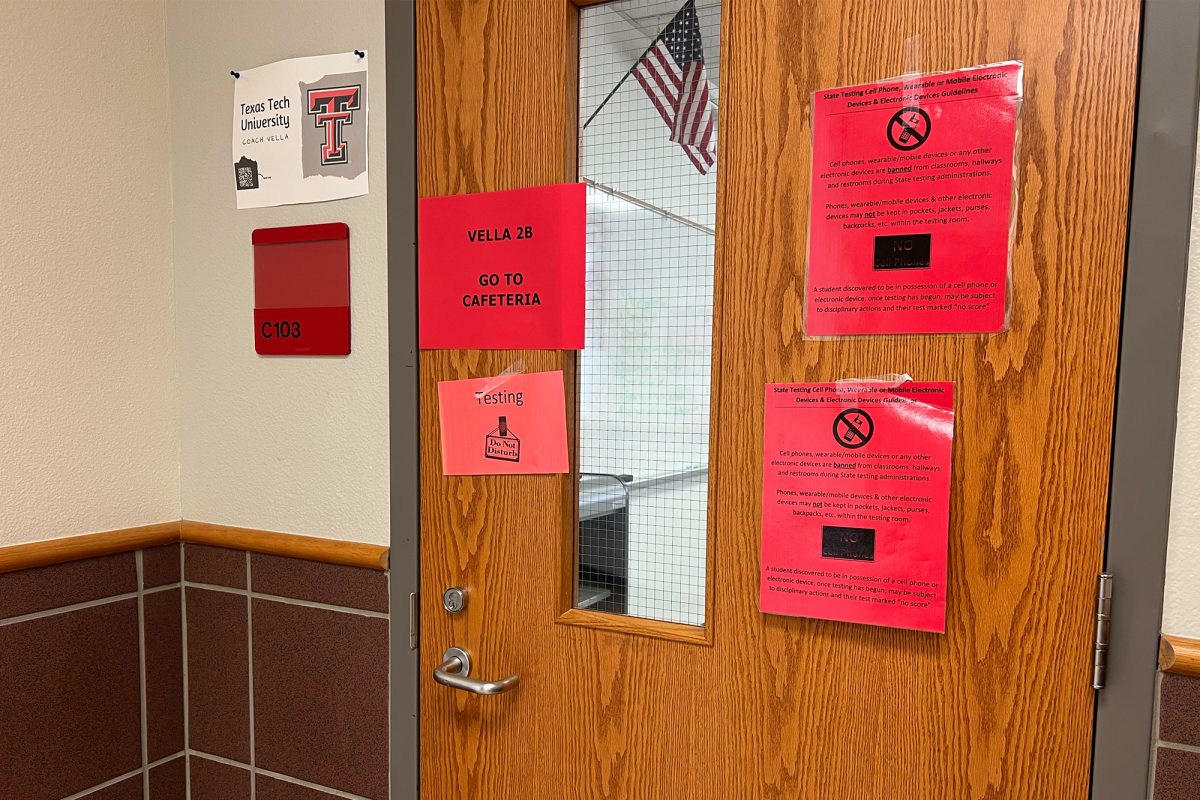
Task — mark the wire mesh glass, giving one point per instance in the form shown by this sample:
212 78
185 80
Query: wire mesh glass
646 370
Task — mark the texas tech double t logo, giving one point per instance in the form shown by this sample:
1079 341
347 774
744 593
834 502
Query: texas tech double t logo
331 109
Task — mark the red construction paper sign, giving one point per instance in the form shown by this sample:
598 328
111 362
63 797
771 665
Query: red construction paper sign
911 208
302 290
503 270
507 425
856 502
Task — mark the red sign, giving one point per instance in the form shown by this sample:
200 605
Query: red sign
910 215
503 270
302 290
506 425
856 502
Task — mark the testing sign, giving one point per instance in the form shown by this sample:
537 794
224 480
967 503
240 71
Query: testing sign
503 270
506 425
910 217
856 501
300 131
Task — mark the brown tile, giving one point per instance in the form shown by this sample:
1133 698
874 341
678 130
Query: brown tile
321 697
1179 710
212 780
44 588
272 789
160 566
164 673
219 566
169 781
128 789
70 701
218 674
1176 774
334 584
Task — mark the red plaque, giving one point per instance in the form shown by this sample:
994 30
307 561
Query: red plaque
302 290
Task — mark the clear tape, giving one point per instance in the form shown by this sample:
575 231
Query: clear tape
892 379
887 380
515 368
910 65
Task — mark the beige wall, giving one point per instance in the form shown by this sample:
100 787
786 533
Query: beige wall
291 444
130 392
89 435
1181 604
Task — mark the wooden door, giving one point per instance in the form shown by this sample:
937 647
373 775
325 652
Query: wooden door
753 706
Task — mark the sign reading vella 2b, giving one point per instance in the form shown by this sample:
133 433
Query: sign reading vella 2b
300 131
910 218
503 270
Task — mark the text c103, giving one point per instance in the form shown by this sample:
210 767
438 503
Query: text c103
280 330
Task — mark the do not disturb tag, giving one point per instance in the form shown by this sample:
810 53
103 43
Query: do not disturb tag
502 443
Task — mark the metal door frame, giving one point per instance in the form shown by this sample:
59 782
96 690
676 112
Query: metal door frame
1143 456
404 385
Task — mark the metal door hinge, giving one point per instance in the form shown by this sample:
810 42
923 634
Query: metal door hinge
414 620
1104 590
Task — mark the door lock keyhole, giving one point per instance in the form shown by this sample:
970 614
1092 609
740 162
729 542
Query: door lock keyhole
454 599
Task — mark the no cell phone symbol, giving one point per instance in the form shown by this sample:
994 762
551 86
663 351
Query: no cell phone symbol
853 428
909 128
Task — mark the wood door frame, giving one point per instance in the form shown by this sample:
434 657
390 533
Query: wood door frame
567 613
1147 392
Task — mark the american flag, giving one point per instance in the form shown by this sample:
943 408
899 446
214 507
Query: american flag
673 76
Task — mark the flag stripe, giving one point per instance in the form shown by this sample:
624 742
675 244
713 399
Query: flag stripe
669 96
653 95
690 151
668 66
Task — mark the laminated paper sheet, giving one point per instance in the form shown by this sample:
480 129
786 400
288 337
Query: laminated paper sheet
912 195
503 270
507 425
856 501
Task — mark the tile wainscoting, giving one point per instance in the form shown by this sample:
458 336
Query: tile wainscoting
91 688
287 677
136 675
1176 773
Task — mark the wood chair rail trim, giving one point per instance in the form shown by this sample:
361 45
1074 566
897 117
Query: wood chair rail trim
93 545
88 545
292 545
1179 656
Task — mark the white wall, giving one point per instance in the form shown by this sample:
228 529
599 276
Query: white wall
89 436
292 444
1181 603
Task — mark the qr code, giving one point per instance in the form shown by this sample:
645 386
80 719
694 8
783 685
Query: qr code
245 172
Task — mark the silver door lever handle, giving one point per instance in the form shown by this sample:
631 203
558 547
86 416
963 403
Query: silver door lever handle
455 672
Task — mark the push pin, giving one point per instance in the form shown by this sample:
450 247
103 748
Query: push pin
235 73
360 54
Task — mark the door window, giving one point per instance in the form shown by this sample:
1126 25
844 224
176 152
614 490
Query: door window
648 107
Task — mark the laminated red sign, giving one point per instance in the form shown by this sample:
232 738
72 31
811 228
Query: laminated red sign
302 290
910 219
503 270
856 501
